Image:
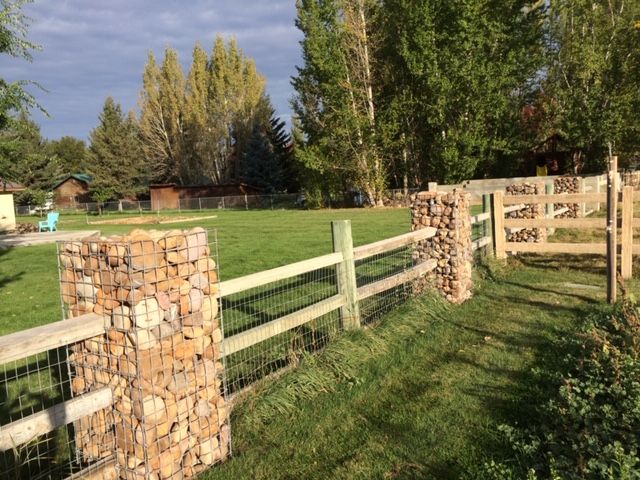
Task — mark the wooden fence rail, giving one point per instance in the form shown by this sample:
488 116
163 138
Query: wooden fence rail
34 341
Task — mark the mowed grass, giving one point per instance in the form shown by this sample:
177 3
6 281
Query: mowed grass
248 242
422 395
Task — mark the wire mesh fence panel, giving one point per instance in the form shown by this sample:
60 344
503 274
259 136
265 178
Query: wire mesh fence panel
29 386
379 267
270 327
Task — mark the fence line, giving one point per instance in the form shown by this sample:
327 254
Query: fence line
51 337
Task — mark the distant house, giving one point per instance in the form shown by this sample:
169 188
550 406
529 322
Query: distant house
169 195
72 190
13 187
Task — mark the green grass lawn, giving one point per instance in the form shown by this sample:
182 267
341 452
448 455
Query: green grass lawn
248 242
422 395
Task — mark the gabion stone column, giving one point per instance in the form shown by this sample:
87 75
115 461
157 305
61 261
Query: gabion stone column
451 246
160 353
567 185
536 210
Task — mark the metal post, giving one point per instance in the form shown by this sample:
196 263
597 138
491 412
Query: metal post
549 189
487 230
612 208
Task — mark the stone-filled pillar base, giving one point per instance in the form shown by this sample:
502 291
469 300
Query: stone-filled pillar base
449 213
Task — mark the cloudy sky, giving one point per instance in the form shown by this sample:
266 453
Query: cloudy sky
95 48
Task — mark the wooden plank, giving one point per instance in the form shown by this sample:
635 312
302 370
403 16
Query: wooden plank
550 190
555 198
583 205
26 429
578 223
560 211
626 240
47 337
498 224
487 229
513 208
398 279
636 249
479 243
480 218
346 274
248 338
612 231
259 279
549 247
371 249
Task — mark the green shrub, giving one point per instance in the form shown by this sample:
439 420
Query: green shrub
590 427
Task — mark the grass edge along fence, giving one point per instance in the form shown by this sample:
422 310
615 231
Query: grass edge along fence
348 300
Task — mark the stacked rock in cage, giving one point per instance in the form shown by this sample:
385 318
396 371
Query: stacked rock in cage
160 355
448 213
528 211
567 184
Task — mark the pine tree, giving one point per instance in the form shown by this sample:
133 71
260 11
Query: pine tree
262 166
115 155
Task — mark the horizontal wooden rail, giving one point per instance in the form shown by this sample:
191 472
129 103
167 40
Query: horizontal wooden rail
255 335
26 429
374 288
556 222
594 248
47 337
481 242
555 198
371 249
480 218
259 279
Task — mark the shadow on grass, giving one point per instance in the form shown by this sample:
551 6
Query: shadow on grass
6 280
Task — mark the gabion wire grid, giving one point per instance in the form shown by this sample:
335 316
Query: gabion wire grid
28 386
158 363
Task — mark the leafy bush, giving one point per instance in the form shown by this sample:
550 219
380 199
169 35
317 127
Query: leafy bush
590 428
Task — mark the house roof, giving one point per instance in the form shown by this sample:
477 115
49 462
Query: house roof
7 186
82 177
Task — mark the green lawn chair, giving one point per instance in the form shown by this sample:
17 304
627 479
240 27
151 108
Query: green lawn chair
51 223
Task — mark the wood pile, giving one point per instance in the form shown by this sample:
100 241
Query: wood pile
528 211
451 246
160 354
567 185
23 228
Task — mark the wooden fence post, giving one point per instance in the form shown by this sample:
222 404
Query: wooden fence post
626 249
487 230
612 204
346 274
498 224
598 179
549 189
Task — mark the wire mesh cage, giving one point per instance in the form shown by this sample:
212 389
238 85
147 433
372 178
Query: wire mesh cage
159 359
